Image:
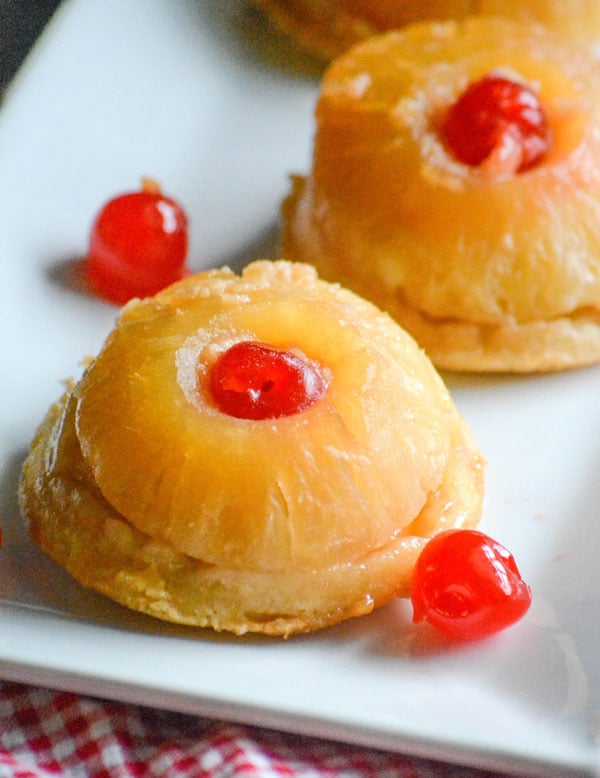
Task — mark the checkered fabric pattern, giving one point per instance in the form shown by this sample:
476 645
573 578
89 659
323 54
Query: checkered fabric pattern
47 733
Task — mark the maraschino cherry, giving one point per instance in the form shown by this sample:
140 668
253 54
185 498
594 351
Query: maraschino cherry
138 245
468 585
501 116
252 380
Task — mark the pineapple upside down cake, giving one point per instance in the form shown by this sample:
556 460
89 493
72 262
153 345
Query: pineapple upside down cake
266 452
327 28
455 182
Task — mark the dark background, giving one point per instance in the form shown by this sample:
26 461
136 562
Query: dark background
21 21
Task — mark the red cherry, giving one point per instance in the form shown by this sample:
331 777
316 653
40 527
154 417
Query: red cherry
255 381
468 585
138 245
496 113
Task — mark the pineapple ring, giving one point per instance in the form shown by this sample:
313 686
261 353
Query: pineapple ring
144 491
328 28
489 272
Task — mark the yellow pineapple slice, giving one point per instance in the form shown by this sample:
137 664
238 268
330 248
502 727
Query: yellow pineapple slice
328 28
488 271
140 486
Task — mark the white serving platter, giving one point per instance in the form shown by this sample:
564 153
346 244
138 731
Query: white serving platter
202 97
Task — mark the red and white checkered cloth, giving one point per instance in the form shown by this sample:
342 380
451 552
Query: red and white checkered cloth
52 733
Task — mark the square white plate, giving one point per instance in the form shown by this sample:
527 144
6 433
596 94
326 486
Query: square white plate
202 97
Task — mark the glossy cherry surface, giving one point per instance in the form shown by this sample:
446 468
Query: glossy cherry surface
497 114
468 585
254 380
138 245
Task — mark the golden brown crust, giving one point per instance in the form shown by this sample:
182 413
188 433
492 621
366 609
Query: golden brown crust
489 273
150 568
